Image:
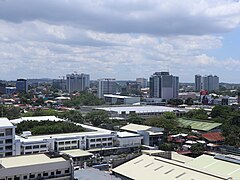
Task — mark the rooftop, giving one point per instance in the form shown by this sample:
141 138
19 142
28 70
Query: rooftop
4 122
136 127
211 164
77 153
140 109
127 134
36 118
118 96
199 125
28 160
213 136
155 168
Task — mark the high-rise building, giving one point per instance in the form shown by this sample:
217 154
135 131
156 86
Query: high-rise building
198 83
163 85
2 88
77 82
210 83
21 85
59 84
106 86
142 81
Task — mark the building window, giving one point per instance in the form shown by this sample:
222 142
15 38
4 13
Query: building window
52 173
16 178
28 147
35 146
61 143
98 140
45 174
8 132
58 172
25 177
43 146
8 141
109 144
67 171
32 176
1 134
67 142
92 140
8 154
109 139
9 178
1 142
74 142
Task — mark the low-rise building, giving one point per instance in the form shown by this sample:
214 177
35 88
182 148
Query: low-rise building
118 99
152 136
37 166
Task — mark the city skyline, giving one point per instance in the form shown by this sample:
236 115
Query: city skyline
123 40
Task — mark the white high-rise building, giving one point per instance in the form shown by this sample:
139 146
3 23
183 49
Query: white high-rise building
106 86
198 83
7 138
163 85
77 82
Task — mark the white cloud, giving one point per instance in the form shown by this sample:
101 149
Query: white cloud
124 39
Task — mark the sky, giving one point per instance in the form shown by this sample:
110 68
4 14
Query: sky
122 39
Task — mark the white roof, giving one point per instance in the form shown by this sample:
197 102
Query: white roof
4 122
28 160
136 127
140 109
77 153
119 96
36 118
155 168
127 134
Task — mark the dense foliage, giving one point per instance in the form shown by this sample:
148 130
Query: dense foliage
47 127
84 99
197 114
97 117
10 112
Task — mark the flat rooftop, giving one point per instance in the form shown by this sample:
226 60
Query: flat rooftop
140 109
198 124
77 153
211 164
36 118
4 122
155 168
28 160
136 127
127 134
119 96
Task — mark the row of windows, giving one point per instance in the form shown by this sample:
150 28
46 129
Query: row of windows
67 142
39 175
7 141
99 139
100 145
8 132
36 146
67 148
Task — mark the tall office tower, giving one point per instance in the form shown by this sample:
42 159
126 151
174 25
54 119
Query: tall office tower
142 81
106 86
2 88
198 83
210 83
163 85
77 82
59 84
21 85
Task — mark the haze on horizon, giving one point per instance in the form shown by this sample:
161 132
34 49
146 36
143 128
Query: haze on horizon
122 39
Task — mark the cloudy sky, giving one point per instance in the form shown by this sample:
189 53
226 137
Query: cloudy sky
123 39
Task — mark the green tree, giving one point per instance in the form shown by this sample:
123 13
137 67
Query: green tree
175 102
97 117
134 118
197 149
72 115
197 114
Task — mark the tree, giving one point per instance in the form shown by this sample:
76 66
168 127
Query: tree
97 117
189 101
221 111
197 114
197 149
134 118
175 102
72 115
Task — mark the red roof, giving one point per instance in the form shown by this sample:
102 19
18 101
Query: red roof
213 137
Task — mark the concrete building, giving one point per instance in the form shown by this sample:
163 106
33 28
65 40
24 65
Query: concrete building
163 85
155 168
7 138
117 99
106 86
38 166
77 82
2 88
60 84
198 83
21 85
127 139
142 82
208 83
152 136
144 111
